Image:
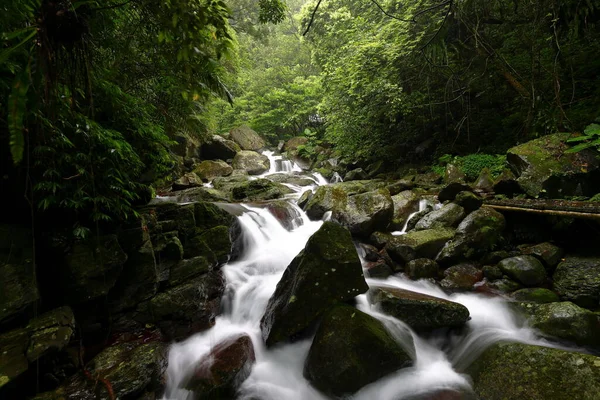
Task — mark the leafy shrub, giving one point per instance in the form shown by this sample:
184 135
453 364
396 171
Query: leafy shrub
590 138
472 164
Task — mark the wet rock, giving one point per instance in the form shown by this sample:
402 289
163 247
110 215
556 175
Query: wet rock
326 272
566 321
479 232
193 194
546 252
251 162
545 170
484 182
412 221
461 278
305 199
259 189
350 350
326 198
527 270
219 242
496 256
208 215
506 184
405 203
492 272
421 312
219 374
219 148
454 174
207 170
533 372
227 183
92 267
13 361
378 269
367 212
449 216
187 181
355 175
577 279
187 269
503 285
285 213
246 138
424 244
297 180
469 201
422 268
536 295
17 273
449 192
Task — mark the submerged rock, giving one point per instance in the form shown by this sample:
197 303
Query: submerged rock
326 272
251 162
419 311
246 138
449 216
350 350
521 371
220 373
577 279
527 270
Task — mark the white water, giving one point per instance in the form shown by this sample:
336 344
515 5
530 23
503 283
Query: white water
423 203
277 373
280 164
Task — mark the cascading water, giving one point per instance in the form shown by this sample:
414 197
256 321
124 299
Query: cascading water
280 164
277 373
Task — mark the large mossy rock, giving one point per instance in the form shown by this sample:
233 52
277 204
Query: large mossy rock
219 148
526 372
222 371
535 295
326 198
577 279
478 233
326 272
549 254
566 321
545 170
461 278
422 268
259 189
526 270
422 244
251 162
367 212
187 181
17 274
350 350
92 268
405 203
449 216
246 138
419 311
207 170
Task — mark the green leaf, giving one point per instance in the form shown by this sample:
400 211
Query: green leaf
17 103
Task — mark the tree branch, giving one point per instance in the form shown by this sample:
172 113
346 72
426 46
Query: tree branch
391 15
449 3
312 18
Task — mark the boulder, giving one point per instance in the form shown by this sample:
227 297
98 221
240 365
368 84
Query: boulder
219 148
421 312
478 233
449 192
350 350
219 374
400 186
449 216
527 270
304 199
326 272
566 321
484 182
545 170
17 274
535 295
577 279
422 268
326 198
259 189
454 174
355 175
251 162
187 181
246 138
292 144
492 272
185 146
521 371
461 278
405 203
506 184
207 170
297 180
547 253
367 212
424 244
192 195
92 268
503 285
469 201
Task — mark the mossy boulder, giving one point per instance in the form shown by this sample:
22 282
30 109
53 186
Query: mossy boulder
461 277
326 272
367 212
506 184
187 181
327 198
207 170
449 192
544 169
527 372
219 374
219 148
527 270
422 268
291 179
454 174
251 162
405 203
350 350
484 182
355 175
478 233
421 312
424 244
469 201
259 189
535 295
246 138
546 252
449 216
577 279
567 321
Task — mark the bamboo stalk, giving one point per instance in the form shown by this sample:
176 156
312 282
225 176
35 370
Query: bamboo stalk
572 214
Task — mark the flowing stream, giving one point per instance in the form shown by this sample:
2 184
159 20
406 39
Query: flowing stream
277 373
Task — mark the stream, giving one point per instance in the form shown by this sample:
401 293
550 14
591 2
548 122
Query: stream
277 374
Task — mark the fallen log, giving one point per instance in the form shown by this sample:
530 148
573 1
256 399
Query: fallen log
561 208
